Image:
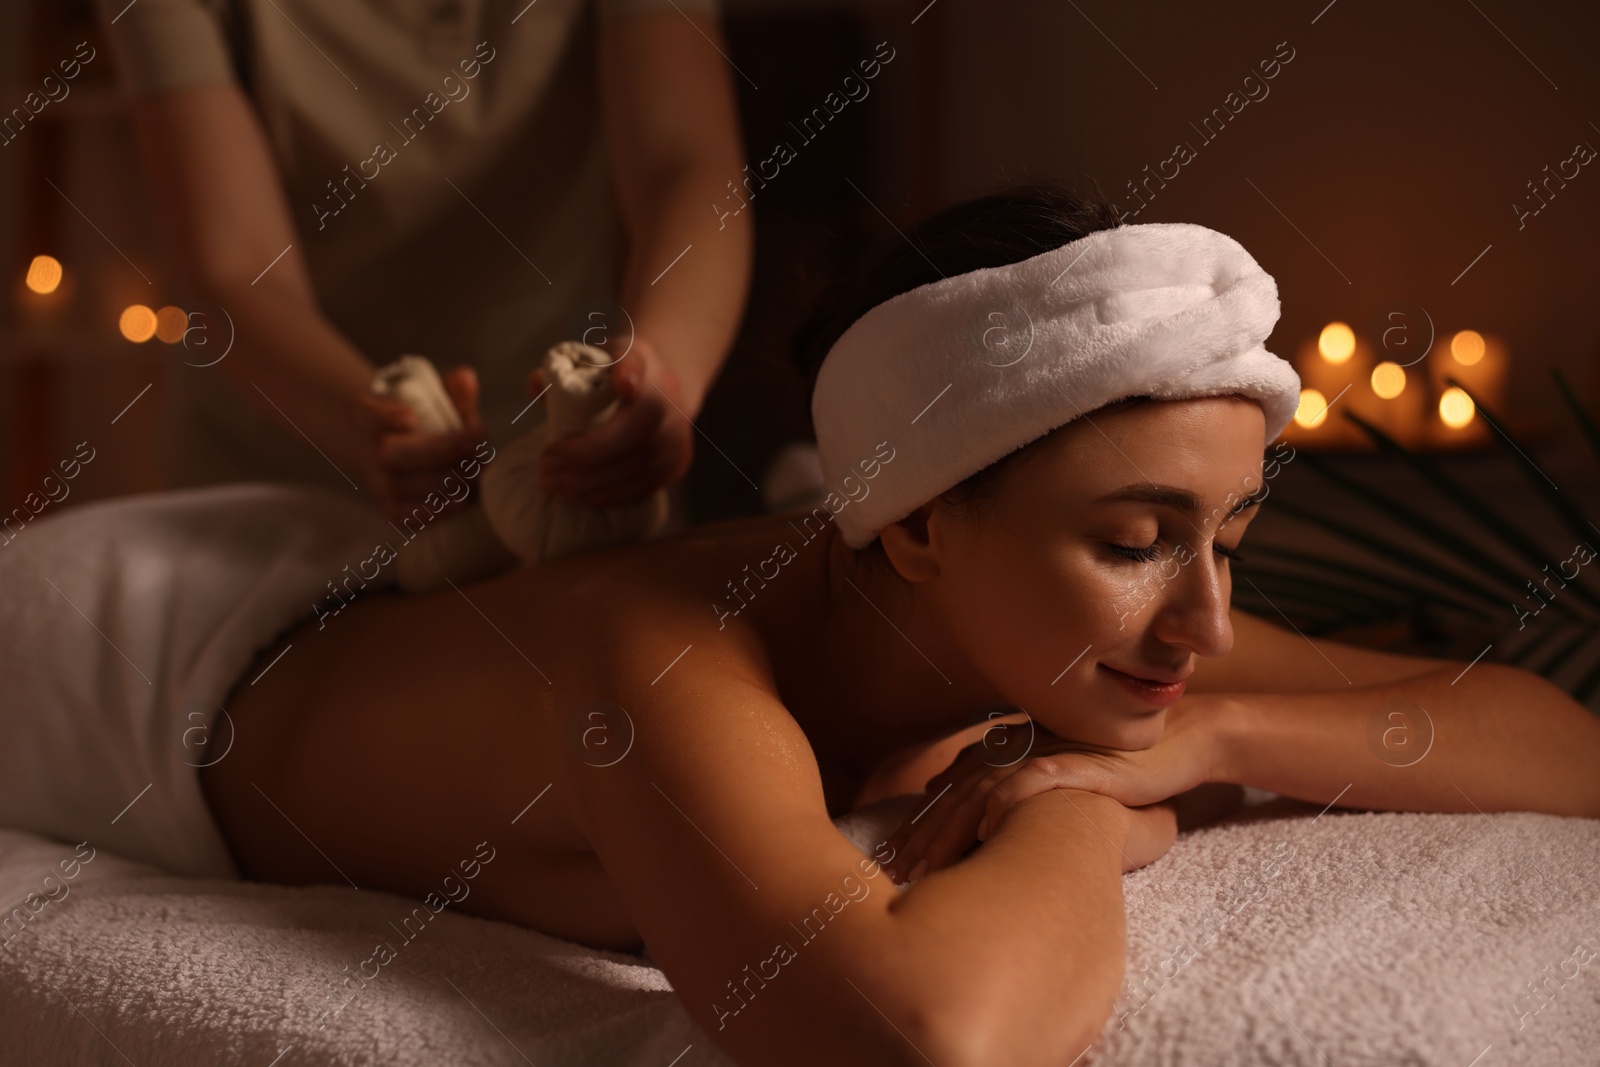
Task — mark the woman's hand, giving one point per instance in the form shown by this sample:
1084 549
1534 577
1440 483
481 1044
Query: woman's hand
1015 761
647 444
403 465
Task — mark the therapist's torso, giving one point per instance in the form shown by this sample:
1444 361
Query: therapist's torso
446 173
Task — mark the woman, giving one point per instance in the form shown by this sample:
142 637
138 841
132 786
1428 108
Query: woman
655 743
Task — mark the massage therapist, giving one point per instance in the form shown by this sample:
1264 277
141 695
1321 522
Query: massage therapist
469 180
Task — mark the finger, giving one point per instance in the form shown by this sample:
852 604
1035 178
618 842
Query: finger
903 837
1000 745
959 830
958 833
1064 770
462 385
628 377
957 808
937 788
1032 777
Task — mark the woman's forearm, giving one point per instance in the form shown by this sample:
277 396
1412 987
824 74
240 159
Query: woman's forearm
1050 879
1499 739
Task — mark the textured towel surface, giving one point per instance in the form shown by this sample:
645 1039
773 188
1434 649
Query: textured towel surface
1364 938
124 624
957 373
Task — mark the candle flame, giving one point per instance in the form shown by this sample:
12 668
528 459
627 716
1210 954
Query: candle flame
1388 380
1456 408
44 274
1312 410
1467 346
138 323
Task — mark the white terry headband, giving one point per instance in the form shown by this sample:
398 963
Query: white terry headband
955 374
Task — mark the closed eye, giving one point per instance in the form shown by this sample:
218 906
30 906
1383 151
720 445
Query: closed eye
1147 553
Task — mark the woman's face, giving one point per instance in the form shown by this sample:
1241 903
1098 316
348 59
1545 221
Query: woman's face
1102 556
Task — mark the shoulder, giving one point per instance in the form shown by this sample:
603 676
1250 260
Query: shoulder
637 647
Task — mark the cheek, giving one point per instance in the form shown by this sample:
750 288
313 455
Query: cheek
1024 615
1123 598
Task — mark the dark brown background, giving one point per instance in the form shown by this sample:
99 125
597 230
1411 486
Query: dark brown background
1393 145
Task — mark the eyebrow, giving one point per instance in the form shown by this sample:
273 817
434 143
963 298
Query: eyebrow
1171 496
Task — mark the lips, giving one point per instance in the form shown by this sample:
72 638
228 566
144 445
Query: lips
1153 677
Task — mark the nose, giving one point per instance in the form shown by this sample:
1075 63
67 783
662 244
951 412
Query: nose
1194 613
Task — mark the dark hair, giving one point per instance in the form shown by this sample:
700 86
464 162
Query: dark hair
1004 227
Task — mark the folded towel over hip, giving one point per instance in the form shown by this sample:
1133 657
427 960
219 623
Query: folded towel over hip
124 625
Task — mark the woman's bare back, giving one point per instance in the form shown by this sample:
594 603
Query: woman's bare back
396 736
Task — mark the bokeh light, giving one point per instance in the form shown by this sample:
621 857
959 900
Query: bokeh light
44 274
138 323
1467 346
1388 380
1337 342
1312 410
1456 408
171 323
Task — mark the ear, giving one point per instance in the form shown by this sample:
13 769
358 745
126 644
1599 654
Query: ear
912 544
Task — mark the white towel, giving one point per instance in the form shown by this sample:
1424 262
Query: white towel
1382 939
956 374
125 622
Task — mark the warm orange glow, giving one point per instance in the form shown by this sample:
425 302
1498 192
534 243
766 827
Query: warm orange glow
1388 380
1467 346
1337 342
1313 409
44 274
1456 408
171 322
138 323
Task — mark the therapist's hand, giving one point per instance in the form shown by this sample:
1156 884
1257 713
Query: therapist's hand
647 444
405 467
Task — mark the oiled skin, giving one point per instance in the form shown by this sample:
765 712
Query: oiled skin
395 736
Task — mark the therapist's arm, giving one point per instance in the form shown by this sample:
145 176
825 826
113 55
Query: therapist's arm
672 134
225 216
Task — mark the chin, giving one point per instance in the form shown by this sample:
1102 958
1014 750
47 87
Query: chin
1131 731
1128 731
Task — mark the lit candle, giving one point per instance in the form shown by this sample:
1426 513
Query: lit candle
1455 422
1478 361
1400 402
1332 370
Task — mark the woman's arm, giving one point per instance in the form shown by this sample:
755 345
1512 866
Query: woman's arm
786 944
1450 739
1498 739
